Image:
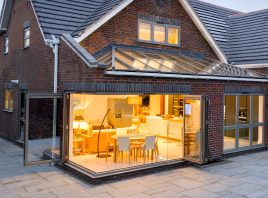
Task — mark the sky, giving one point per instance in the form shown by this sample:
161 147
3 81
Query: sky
241 5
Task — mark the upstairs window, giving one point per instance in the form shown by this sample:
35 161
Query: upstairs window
27 37
6 45
145 31
8 100
159 33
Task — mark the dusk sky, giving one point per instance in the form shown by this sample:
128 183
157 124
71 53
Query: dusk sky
241 5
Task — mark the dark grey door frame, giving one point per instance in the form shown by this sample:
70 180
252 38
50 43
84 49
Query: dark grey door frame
20 98
26 134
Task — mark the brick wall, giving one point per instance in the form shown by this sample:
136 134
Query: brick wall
73 70
33 66
122 29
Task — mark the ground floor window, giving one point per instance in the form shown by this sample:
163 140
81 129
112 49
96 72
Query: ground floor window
243 121
138 130
9 99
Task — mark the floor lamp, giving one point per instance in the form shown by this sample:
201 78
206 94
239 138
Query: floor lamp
98 145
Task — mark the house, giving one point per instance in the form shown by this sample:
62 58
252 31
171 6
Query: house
111 88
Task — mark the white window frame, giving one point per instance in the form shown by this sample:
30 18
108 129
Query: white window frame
26 37
166 33
6 45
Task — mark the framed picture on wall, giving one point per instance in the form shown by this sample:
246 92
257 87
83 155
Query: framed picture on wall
79 102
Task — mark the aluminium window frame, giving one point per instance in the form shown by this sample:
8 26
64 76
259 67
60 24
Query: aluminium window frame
6 44
26 37
8 100
152 41
238 126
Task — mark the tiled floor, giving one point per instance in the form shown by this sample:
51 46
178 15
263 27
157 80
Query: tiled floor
244 176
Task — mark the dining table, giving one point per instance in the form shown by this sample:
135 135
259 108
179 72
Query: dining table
132 137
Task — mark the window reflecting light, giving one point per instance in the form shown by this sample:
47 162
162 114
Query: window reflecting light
159 33
173 35
145 31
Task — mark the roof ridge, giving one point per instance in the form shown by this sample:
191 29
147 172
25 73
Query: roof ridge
87 18
219 6
248 12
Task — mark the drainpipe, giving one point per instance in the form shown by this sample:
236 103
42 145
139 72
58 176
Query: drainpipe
54 44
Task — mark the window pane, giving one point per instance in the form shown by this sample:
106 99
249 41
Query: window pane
173 35
159 33
229 139
257 135
6 45
27 33
257 109
27 43
230 110
145 31
244 137
6 99
244 110
10 101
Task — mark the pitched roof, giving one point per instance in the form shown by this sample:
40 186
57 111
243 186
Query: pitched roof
248 40
242 36
69 16
5 14
217 21
142 59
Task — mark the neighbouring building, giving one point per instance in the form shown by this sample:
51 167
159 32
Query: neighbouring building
121 87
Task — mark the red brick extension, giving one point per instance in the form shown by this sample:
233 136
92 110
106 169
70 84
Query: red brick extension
34 66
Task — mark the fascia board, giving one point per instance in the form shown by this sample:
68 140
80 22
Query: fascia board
203 29
103 20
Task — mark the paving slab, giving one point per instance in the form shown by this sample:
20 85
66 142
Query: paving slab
238 177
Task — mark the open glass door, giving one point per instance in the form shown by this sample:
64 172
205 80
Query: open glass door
43 128
194 129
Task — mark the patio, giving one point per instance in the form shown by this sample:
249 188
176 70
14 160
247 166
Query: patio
244 176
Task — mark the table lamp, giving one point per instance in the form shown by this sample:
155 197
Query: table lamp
79 118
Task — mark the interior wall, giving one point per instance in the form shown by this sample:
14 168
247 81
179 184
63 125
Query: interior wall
96 106
166 104
154 105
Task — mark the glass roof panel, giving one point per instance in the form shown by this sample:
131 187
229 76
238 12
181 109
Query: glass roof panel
151 60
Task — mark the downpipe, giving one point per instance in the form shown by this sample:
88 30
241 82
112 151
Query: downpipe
54 44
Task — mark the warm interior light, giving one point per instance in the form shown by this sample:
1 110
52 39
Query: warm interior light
134 100
79 118
173 35
145 31
159 33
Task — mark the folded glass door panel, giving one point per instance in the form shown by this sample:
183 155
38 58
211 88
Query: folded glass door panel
43 131
194 129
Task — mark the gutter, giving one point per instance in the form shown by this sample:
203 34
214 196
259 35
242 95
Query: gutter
253 66
181 76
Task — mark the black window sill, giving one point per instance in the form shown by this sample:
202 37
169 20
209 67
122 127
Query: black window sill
26 47
6 53
8 111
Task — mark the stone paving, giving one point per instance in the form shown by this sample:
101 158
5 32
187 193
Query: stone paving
244 176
